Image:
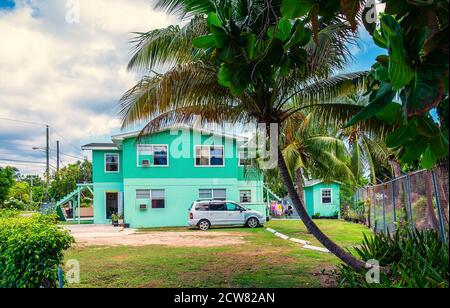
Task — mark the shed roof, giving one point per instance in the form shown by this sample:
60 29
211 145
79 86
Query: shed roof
99 146
317 182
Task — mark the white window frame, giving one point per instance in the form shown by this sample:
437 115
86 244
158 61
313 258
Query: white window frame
118 163
212 193
164 198
250 196
331 195
209 146
150 199
239 159
152 165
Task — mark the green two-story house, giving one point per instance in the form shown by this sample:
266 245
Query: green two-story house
152 180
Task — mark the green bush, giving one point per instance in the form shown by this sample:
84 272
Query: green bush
416 259
31 249
14 204
8 213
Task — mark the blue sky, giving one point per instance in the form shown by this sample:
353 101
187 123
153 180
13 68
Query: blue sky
7 4
71 75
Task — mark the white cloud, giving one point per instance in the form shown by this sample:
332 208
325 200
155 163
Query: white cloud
67 75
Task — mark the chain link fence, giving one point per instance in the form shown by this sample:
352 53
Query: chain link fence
417 200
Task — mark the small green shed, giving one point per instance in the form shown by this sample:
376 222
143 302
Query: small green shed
322 199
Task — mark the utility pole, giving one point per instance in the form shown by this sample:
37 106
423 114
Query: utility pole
31 191
57 156
47 171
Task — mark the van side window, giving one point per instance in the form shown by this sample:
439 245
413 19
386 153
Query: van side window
217 207
202 207
231 207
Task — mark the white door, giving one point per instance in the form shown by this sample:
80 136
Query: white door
235 215
218 213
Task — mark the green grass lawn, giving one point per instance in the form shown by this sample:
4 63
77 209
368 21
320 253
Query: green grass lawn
264 261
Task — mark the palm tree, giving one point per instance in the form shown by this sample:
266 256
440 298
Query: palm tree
190 88
311 150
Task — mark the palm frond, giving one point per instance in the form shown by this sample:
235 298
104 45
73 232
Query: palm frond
168 46
186 85
211 115
185 8
331 53
330 89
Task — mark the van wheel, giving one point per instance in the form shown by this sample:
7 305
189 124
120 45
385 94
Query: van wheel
204 225
252 223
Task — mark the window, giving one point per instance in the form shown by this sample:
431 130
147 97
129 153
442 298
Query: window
216 194
231 207
160 156
202 207
245 196
111 163
155 196
158 199
327 196
209 156
216 207
244 159
156 155
143 194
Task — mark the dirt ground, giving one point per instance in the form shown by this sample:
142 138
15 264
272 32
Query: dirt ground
101 235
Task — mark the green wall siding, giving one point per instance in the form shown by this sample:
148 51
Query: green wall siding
182 167
179 196
100 190
98 168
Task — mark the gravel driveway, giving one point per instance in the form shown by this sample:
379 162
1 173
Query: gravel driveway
103 235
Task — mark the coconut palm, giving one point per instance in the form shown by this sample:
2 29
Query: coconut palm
311 151
190 89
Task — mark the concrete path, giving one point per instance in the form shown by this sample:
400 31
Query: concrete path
305 244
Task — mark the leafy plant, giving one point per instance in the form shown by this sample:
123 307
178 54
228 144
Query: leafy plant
416 259
415 69
115 218
31 249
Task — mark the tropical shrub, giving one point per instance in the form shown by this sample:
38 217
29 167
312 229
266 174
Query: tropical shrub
14 204
31 250
6 213
416 259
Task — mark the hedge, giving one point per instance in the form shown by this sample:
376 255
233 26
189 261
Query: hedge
31 250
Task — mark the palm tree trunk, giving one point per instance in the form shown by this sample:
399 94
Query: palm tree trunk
346 257
300 188
442 171
396 168
429 195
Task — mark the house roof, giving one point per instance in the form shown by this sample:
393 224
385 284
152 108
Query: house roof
317 182
99 146
118 139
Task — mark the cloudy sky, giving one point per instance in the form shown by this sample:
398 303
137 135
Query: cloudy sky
70 75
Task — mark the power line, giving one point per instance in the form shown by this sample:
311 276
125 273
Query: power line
22 161
68 142
23 122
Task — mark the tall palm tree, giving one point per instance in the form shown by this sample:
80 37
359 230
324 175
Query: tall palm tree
311 150
190 88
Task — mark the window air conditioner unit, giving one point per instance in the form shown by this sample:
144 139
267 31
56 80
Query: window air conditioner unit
143 206
146 163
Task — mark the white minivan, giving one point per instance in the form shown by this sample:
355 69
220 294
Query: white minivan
207 213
